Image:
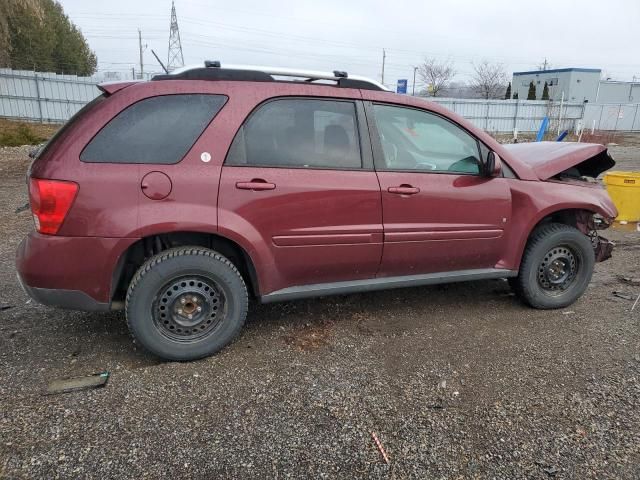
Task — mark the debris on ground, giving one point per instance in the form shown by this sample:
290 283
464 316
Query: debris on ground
5 306
97 380
629 280
380 447
635 303
622 295
23 208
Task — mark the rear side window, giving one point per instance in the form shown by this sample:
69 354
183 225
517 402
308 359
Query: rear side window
299 133
155 130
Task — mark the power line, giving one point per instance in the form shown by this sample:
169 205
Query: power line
316 40
400 54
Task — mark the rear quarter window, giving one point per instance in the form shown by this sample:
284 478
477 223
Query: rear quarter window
157 130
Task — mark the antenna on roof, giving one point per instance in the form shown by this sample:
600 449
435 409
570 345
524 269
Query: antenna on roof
160 61
175 59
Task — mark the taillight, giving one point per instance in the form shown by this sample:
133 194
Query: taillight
50 201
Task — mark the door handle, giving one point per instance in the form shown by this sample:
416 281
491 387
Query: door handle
404 189
255 184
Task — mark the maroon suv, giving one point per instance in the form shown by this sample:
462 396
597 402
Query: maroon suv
178 198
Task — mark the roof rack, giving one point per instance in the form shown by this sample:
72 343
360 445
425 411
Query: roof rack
213 70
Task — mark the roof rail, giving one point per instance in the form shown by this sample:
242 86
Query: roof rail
214 70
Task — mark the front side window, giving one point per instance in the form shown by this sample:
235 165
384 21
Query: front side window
155 130
299 133
416 140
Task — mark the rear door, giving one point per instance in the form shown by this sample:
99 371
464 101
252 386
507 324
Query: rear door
298 185
440 213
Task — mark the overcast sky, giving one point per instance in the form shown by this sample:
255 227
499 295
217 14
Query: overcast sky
350 35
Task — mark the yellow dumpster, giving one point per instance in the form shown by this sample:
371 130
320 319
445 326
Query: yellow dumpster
624 190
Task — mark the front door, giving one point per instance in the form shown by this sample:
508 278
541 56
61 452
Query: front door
299 186
440 213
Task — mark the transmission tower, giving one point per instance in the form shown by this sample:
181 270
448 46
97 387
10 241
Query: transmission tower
175 58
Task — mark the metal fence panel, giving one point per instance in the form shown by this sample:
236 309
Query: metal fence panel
45 97
507 115
613 116
48 97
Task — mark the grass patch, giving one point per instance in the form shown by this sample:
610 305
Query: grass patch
14 134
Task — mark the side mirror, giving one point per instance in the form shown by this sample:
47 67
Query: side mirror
493 165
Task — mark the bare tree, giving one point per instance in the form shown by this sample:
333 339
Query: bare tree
436 75
489 79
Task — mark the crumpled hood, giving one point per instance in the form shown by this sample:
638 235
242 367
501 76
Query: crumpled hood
548 159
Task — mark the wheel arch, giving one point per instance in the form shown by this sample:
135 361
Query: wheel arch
144 248
575 216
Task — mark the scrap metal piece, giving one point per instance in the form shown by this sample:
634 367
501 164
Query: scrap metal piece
98 380
22 208
622 295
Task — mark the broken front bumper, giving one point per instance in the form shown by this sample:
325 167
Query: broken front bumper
590 224
602 248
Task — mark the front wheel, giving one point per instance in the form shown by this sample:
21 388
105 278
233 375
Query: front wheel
186 303
556 267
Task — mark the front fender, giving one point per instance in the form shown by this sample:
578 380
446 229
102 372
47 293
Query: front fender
532 202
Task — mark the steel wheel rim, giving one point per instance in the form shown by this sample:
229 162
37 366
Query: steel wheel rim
189 308
558 269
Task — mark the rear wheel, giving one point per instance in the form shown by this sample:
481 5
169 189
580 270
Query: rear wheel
186 303
556 267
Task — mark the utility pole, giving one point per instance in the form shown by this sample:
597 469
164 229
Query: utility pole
175 59
140 45
384 57
413 90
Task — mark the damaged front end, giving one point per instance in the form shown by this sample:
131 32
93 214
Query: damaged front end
589 224
563 160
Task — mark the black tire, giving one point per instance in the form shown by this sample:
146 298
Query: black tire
194 277
556 267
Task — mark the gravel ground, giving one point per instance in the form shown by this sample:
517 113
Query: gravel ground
457 381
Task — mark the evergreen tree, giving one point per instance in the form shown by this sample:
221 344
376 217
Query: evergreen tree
532 92
545 92
39 36
507 95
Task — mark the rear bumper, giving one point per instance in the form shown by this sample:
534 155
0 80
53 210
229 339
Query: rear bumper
71 299
69 272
